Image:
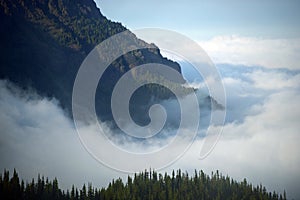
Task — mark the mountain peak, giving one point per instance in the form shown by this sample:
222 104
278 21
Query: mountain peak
44 42
58 8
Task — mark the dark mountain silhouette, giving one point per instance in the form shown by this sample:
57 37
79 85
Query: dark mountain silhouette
43 43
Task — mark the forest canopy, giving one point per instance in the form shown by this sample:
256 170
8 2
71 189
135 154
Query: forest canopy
144 185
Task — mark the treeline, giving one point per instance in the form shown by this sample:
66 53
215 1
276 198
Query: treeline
145 185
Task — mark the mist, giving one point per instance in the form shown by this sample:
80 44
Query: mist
259 141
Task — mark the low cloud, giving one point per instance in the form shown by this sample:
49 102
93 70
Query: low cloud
269 53
264 148
37 137
260 139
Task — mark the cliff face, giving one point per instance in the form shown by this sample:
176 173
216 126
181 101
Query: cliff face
43 43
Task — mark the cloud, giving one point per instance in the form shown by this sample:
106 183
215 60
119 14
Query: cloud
260 139
264 148
274 80
37 137
269 53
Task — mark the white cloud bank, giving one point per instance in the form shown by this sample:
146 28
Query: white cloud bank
260 142
37 137
265 146
270 53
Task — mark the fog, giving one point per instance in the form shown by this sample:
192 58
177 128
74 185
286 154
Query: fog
260 138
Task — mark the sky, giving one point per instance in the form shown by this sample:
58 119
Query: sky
255 46
204 19
253 33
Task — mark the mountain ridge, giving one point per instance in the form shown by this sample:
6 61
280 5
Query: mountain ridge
43 43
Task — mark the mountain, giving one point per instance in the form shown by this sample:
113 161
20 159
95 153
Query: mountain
43 43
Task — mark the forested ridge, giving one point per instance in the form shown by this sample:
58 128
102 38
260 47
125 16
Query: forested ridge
44 42
145 185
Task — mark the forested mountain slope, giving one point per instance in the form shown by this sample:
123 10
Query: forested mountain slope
43 43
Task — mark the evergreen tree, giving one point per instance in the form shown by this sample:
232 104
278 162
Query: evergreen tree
144 185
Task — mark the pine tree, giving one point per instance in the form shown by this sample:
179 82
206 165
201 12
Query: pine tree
143 186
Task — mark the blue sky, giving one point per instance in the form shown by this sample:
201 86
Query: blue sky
208 18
